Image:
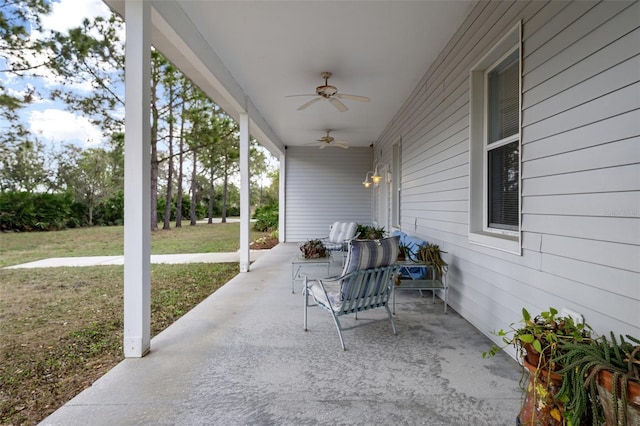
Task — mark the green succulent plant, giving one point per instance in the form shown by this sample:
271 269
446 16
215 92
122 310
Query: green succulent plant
582 364
431 255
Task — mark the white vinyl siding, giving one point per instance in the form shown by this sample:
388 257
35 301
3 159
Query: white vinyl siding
580 170
324 186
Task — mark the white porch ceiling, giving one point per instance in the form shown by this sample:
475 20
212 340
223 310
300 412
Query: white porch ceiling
249 55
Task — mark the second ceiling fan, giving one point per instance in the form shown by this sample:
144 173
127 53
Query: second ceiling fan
330 93
330 140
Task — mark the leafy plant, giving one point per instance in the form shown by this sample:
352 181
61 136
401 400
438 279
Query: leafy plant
405 251
540 338
368 232
313 249
266 218
582 365
539 341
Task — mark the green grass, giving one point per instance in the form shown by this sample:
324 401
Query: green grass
62 327
16 248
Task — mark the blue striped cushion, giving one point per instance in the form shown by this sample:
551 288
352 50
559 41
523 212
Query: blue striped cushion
367 254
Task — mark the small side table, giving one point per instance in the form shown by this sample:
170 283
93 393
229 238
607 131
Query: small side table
300 262
410 283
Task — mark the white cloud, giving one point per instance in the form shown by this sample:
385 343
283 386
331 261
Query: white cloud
27 91
67 14
63 126
64 14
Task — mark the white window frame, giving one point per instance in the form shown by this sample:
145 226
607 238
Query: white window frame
479 231
396 184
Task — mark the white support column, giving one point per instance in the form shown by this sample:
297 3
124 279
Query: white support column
137 194
245 191
282 206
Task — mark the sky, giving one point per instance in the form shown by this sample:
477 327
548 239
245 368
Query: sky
51 121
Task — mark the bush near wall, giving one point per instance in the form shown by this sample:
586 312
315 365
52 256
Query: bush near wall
266 218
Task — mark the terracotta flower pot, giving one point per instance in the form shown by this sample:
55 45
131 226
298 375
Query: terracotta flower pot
605 382
539 406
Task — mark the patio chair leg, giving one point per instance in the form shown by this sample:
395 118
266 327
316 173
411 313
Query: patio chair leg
337 322
393 324
306 301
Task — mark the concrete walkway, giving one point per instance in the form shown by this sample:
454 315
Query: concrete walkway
53 262
241 357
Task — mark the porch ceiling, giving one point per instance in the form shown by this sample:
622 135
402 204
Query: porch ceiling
249 55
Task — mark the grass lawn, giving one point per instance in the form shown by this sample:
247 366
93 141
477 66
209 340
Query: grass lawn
61 328
25 247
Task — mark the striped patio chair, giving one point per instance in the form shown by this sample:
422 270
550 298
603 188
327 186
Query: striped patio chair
339 236
366 283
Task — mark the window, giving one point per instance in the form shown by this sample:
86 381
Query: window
495 147
503 144
396 184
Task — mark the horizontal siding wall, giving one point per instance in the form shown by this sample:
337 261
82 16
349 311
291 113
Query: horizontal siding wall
580 165
324 186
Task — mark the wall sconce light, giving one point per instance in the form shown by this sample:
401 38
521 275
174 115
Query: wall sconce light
375 176
367 182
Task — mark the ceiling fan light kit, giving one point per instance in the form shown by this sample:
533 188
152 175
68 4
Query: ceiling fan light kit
330 93
328 140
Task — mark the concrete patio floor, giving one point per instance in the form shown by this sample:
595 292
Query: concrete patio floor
241 357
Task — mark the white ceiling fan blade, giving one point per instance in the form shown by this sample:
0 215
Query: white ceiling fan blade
323 145
353 97
339 105
295 96
305 106
341 144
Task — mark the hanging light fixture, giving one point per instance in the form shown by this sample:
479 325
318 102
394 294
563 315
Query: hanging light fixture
375 176
367 182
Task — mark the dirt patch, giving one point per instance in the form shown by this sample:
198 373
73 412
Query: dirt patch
264 243
55 343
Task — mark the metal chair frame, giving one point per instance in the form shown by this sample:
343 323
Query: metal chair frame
362 290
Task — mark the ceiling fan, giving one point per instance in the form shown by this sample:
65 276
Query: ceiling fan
330 93
329 140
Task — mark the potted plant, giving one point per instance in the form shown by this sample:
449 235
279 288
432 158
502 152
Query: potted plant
367 232
405 252
539 343
312 249
431 255
602 381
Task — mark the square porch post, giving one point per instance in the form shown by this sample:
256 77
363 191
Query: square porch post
137 180
245 193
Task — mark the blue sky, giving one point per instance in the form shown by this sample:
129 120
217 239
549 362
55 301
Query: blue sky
50 121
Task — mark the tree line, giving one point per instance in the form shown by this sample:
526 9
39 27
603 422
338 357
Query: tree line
194 144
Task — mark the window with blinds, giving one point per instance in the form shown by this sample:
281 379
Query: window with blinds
503 144
503 171
504 97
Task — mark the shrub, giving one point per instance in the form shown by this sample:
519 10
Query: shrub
266 218
24 211
110 211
